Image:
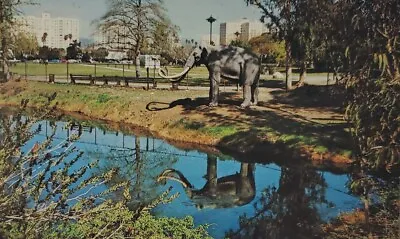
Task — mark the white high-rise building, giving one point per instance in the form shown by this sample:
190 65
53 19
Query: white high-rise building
205 39
252 29
242 30
56 29
112 38
228 31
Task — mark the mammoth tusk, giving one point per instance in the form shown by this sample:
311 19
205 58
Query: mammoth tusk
173 78
180 178
172 178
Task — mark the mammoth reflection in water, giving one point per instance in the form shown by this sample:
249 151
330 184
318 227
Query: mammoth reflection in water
230 191
290 211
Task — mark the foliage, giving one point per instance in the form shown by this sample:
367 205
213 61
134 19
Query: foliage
240 43
361 38
8 9
272 50
373 80
380 220
25 44
289 211
43 194
74 50
279 15
100 54
46 53
300 24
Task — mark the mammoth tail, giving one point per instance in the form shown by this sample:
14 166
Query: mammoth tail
175 175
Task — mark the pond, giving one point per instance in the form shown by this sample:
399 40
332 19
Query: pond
232 196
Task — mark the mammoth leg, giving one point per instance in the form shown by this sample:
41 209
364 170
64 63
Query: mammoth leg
212 174
247 96
254 94
215 78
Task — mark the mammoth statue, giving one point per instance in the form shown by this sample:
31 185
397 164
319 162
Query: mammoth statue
232 63
225 192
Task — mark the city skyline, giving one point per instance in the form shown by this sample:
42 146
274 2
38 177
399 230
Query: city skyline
193 27
60 31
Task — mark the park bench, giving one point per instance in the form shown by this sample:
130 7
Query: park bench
75 78
107 79
145 80
126 80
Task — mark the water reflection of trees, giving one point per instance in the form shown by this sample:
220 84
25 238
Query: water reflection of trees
290 211
138 166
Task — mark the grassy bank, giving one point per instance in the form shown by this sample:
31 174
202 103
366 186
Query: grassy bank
183 116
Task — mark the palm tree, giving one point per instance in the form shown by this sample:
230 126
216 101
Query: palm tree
44 38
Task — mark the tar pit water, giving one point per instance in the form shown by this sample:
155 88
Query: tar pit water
236 199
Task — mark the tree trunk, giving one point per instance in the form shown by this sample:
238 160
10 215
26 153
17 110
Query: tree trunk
212 179
3 40
138 169
139 39
137 65
303 74
288 65
5 71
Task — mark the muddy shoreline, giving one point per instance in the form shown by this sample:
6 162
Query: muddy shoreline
275 151
183 124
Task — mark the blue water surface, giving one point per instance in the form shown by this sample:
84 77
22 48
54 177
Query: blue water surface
298 194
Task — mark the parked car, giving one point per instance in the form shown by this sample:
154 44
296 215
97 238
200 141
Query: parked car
74 61
126 62
54 61
112 61
14 61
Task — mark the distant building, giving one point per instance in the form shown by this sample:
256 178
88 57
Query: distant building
242 30
252 29
227 31
112 38
56 29
205 39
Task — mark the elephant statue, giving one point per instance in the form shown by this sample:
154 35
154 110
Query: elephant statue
232 63
225 192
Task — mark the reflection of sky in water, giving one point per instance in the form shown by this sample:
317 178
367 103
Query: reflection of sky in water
118 150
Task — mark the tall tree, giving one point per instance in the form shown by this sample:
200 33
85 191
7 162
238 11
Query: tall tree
44 38
74 50
296 22
8 10
279 15
135 21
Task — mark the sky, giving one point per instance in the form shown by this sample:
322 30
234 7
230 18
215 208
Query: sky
189 15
